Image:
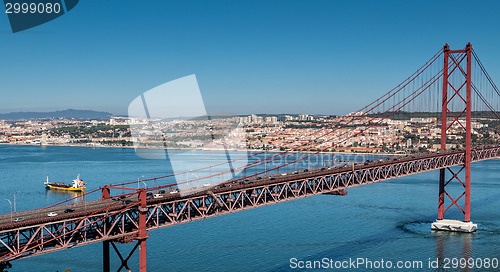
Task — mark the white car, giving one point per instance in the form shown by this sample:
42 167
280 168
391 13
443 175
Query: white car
157 196
52 214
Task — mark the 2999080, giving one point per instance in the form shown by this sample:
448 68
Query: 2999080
32 7
485 263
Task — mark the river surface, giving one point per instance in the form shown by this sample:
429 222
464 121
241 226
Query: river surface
387 221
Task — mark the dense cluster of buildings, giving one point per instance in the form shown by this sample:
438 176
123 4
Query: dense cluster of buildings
352 133
61 131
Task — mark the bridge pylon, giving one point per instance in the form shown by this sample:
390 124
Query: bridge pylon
453 95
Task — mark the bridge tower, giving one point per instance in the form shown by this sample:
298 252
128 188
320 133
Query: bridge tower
453 90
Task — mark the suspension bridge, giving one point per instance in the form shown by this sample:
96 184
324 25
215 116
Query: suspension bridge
453 86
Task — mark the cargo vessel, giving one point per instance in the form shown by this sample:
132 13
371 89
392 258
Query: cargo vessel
77 186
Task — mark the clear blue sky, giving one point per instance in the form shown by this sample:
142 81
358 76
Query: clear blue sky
269 56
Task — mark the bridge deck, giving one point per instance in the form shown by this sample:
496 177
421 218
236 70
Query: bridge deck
101 220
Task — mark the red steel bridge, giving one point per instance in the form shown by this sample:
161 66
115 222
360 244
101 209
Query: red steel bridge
453 85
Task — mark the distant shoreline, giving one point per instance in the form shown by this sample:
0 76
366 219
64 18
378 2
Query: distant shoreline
208 149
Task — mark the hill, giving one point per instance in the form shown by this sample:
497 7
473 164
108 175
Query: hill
69 113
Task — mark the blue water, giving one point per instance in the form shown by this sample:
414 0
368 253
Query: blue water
389 220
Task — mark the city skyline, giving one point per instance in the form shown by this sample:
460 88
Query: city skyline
279 57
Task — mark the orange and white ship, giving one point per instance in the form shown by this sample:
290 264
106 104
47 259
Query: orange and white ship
77 186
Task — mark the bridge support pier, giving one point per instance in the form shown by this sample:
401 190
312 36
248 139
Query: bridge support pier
124 261
455 57
142 230
105 256
142 255
141 238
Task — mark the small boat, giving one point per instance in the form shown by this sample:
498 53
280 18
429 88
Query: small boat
77 186
341 192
